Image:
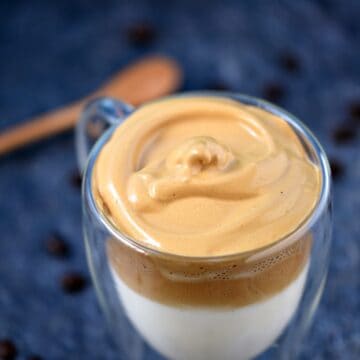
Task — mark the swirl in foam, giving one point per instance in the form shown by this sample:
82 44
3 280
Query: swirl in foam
205 176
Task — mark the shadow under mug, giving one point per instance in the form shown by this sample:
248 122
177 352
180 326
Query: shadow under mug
286 277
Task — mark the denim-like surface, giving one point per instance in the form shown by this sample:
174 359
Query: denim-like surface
52 52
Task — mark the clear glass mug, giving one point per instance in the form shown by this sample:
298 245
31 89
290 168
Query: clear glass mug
129 277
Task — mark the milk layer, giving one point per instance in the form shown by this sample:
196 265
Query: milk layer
183 333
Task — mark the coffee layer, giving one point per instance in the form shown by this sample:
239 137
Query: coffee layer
234 283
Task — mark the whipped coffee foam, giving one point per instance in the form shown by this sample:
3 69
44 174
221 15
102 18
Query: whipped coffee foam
205 176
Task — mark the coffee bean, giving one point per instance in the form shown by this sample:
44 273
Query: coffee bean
343 134
76 179
141 34
273 92
218 86
57 246
7 350
337 168
73 282
289 62
354 111
34 357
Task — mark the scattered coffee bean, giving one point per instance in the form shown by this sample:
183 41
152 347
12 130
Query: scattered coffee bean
354 111
34 357
7 350
343 134
273 92
73 282
76 179
218 86
141 34
337 168
289 62
57 246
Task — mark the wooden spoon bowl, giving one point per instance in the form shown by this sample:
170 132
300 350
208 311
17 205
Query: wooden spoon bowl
142 81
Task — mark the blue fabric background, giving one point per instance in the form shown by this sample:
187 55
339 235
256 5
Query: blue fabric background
52 52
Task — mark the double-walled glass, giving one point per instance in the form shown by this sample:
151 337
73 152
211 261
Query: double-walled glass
239 306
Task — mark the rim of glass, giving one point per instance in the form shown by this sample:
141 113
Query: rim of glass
300 128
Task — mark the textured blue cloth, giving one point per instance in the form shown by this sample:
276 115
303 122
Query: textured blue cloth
54 52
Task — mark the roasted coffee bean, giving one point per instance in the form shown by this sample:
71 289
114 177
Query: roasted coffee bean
8 350
218 86
273 92
73 282
337 168
141 34
289 62
57 246
76 179
343 134
354 111
34 357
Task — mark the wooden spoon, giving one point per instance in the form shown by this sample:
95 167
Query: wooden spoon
142 81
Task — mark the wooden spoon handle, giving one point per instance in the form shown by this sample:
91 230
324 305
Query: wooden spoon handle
38 128
142 81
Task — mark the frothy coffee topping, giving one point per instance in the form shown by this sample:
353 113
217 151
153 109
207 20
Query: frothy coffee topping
179 174
202 176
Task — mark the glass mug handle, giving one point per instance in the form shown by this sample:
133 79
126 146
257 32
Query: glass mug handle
96 117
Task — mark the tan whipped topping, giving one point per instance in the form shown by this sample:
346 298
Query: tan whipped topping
205 176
